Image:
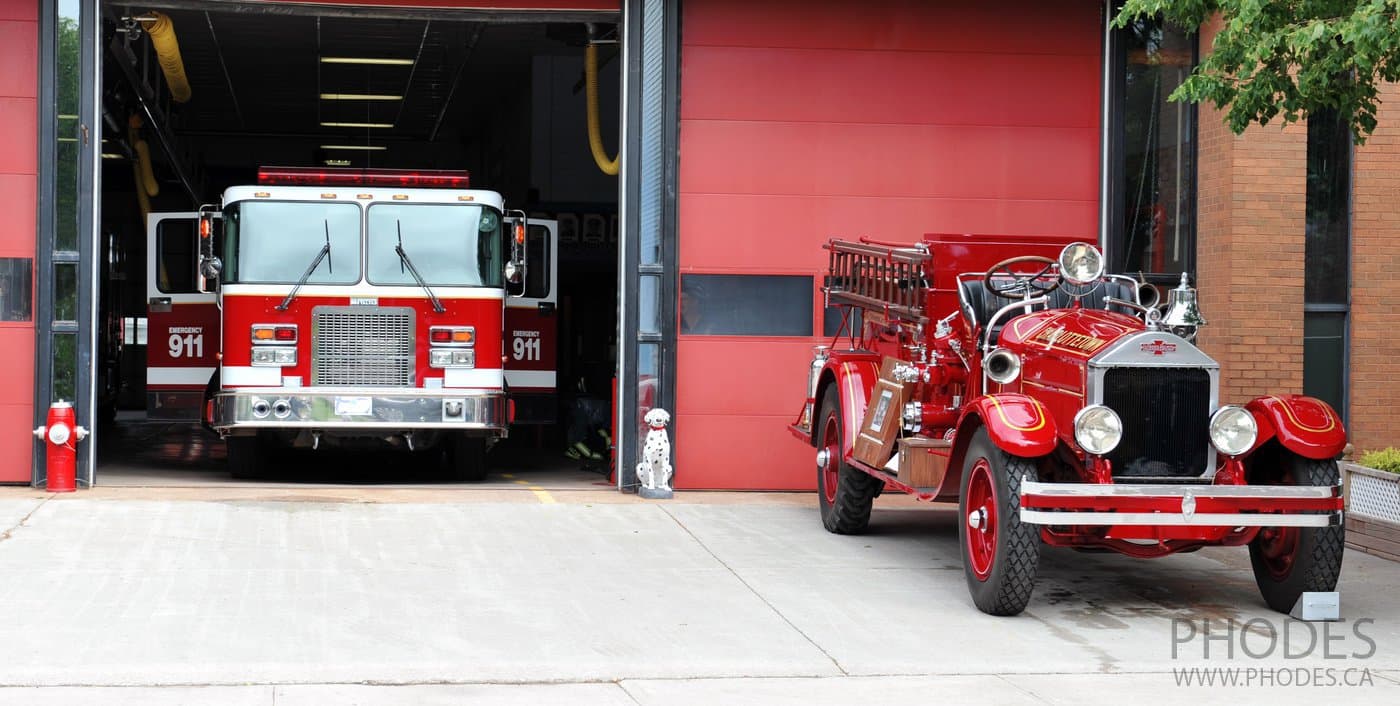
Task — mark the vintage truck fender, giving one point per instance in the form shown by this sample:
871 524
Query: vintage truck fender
1017 424
854 375
1304 425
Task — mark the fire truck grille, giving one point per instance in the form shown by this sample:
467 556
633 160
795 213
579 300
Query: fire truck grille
362 346
1166 418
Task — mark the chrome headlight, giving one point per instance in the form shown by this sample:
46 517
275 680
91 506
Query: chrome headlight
1081 263
1233 430
1098 429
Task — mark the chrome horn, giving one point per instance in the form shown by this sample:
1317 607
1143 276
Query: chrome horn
1183 315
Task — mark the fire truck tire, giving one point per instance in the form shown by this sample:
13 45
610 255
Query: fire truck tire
1289 561
1000 554
845 494
465 457
245 457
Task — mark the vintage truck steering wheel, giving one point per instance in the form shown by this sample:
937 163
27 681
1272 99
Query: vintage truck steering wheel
1017 285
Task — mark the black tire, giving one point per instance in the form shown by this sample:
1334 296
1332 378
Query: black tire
465 458
245 457
1010 560
845 508
1290 561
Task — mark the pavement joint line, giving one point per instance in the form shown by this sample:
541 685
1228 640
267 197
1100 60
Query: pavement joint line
755 592
1003 678
628 692
6 534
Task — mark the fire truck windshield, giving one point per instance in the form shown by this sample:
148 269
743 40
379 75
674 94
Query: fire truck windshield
452 245
273 241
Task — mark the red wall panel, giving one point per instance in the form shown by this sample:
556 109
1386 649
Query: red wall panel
805 119
19 85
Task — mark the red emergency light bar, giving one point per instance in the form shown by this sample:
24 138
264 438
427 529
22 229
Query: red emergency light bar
331 176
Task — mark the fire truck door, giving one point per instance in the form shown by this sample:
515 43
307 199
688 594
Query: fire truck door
182 323
532 328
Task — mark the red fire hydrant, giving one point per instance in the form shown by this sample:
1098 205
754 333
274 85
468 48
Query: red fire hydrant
61 435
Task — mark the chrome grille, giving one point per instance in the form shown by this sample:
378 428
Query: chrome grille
362 346
1166 416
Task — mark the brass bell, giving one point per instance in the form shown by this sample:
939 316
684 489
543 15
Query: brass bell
1183 315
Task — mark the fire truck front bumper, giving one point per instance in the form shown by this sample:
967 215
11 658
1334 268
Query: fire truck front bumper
367 409
1091 504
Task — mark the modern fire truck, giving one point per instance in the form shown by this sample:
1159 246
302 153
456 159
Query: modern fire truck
351 307
1060 406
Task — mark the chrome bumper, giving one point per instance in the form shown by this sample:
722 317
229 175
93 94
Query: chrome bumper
367 408
1180 505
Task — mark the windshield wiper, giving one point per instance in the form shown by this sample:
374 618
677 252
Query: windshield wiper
321 255
404 260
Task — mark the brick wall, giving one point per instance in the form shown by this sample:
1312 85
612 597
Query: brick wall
1250 238
1375 313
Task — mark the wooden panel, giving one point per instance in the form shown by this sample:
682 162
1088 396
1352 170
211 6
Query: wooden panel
1011 26
19 42
905 161
742 452
20 155
725 83
784 233
18 196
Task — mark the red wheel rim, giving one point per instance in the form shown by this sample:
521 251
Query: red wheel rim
981 520
831 443
1278 546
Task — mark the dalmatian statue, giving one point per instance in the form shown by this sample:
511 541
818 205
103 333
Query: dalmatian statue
654 472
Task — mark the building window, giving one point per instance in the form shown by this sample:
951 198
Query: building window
1327 254
1152 194
16 289
746 305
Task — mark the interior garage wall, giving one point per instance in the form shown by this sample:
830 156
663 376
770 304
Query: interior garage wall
805 119
19 85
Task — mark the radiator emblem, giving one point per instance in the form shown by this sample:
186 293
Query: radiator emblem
1158 347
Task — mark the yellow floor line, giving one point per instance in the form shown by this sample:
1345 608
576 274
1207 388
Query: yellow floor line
543 495
522 482
507 475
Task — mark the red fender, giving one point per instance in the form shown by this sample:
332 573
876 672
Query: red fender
1017 424
1304 425
854 379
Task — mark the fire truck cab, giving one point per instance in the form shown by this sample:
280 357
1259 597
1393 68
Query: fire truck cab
353 308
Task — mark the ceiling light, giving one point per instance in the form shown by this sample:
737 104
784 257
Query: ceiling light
364 125
365 60
360 97
361 148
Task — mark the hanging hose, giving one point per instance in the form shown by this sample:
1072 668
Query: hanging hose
162 33
595 134
141 172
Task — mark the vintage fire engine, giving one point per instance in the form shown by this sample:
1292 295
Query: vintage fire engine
1058 405
349 307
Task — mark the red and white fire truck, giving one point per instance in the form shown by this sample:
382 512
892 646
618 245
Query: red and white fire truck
346 307
1060 406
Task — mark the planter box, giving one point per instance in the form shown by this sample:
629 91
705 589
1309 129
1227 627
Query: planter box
1373 510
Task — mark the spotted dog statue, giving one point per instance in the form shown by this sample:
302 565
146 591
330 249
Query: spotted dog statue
654 472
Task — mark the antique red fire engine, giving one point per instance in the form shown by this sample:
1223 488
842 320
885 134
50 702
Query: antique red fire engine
1058 405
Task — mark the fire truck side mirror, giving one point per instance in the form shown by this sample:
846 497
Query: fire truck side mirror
516 266
209 269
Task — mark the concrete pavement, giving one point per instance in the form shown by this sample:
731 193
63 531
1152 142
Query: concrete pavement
499 596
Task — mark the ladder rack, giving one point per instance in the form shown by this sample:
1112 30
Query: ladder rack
878 277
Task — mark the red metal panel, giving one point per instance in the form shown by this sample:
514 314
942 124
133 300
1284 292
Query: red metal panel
23 10
731 83
1009 26
19 83
731 451
507 5
701 360
18 195
17 115
21 42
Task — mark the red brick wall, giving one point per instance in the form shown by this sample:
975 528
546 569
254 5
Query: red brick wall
19 84
1375 315
1251 196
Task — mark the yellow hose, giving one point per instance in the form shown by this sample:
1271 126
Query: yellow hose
595 134
146 183
162 33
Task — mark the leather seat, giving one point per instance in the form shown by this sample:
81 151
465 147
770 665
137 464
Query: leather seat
979 305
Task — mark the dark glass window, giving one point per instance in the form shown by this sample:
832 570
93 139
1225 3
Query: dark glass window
16 289
1155 228
537 255
831 318
175 256
1327 254
747 305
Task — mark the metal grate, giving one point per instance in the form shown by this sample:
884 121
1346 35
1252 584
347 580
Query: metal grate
362 346
1373 497
1166 419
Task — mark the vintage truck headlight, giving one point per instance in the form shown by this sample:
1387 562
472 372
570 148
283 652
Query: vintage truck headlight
1098 429
1081 263
1232 430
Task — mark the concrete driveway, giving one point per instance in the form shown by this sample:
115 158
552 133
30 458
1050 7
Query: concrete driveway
523 596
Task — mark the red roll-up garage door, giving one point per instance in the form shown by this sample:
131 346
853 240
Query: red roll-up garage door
805 119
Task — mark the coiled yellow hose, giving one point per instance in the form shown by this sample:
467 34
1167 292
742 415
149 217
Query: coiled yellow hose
595 134
141 172
162 34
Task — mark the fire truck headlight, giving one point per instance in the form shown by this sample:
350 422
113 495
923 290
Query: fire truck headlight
285 356
439 358
1232 430
1098 429
274 356
264 356
465 359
